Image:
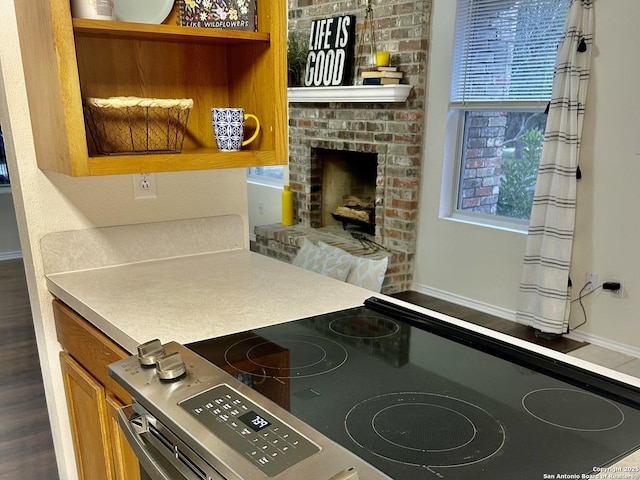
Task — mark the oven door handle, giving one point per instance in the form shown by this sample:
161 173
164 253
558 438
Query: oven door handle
151 465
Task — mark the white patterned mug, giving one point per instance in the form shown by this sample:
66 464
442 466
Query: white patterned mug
228 128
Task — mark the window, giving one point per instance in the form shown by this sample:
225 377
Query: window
273 176
501 83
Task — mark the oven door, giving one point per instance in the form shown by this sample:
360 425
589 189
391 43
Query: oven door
161 454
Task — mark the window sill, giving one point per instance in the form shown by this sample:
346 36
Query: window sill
490 221
265 182
5 189
350 94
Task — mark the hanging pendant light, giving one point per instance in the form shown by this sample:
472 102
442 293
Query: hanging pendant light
368 34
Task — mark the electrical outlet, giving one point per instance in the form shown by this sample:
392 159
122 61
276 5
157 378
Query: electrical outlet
144 185
591 281
261 208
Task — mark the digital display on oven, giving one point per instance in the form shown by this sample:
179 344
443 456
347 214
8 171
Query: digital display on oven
254 421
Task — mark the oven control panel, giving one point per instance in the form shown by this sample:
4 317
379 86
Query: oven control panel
268 443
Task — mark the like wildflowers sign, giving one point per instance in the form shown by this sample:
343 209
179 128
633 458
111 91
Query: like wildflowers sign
225 14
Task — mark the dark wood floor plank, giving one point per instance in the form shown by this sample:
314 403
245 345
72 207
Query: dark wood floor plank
26 445
32 467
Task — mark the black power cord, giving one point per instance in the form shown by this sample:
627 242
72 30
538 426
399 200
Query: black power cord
612 286
579 300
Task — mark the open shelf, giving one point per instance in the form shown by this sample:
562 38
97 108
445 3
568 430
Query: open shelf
67 59
202 159
165 33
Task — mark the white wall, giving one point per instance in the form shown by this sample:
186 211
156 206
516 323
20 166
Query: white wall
9 240
481 266
48 202
265 205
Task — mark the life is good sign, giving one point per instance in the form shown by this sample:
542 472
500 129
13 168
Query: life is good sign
330 54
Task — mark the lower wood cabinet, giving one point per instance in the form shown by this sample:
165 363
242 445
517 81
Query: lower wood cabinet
86 401
93 398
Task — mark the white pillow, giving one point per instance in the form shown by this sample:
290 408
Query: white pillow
368 273
365 272
330 263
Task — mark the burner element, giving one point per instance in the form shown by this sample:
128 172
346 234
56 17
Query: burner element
425 429
364 326
309 355
573 409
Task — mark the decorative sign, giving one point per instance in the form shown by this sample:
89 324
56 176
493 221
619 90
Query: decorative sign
225 14
330 55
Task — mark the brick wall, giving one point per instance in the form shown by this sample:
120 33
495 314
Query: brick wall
394 131
483 161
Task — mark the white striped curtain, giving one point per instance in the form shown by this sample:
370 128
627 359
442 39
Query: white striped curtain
544 294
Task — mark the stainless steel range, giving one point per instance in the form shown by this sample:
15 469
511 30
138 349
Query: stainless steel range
373 389
191 420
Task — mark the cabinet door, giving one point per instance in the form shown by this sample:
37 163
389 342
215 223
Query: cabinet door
126 465
89 424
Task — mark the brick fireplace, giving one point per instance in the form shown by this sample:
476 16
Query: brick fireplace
389 133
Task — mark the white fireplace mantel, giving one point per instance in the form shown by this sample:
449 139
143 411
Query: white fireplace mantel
350 94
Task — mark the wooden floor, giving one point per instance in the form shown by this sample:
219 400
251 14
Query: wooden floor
514 329
26 447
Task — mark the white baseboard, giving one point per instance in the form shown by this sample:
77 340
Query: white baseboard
511 315
605 343
10 255
465 302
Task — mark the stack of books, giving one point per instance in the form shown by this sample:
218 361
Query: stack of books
381 76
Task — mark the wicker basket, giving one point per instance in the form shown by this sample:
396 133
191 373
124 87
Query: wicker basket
132 125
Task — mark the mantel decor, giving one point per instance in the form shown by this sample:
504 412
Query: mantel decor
297 51
330 57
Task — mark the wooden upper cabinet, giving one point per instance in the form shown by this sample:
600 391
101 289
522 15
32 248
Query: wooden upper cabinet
67 59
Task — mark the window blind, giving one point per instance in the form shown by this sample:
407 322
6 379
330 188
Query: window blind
505 50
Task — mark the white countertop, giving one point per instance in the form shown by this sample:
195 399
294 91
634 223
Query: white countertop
199 296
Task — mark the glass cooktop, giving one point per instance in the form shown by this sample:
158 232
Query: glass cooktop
419 398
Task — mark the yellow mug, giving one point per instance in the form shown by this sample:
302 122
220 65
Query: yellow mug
228 128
